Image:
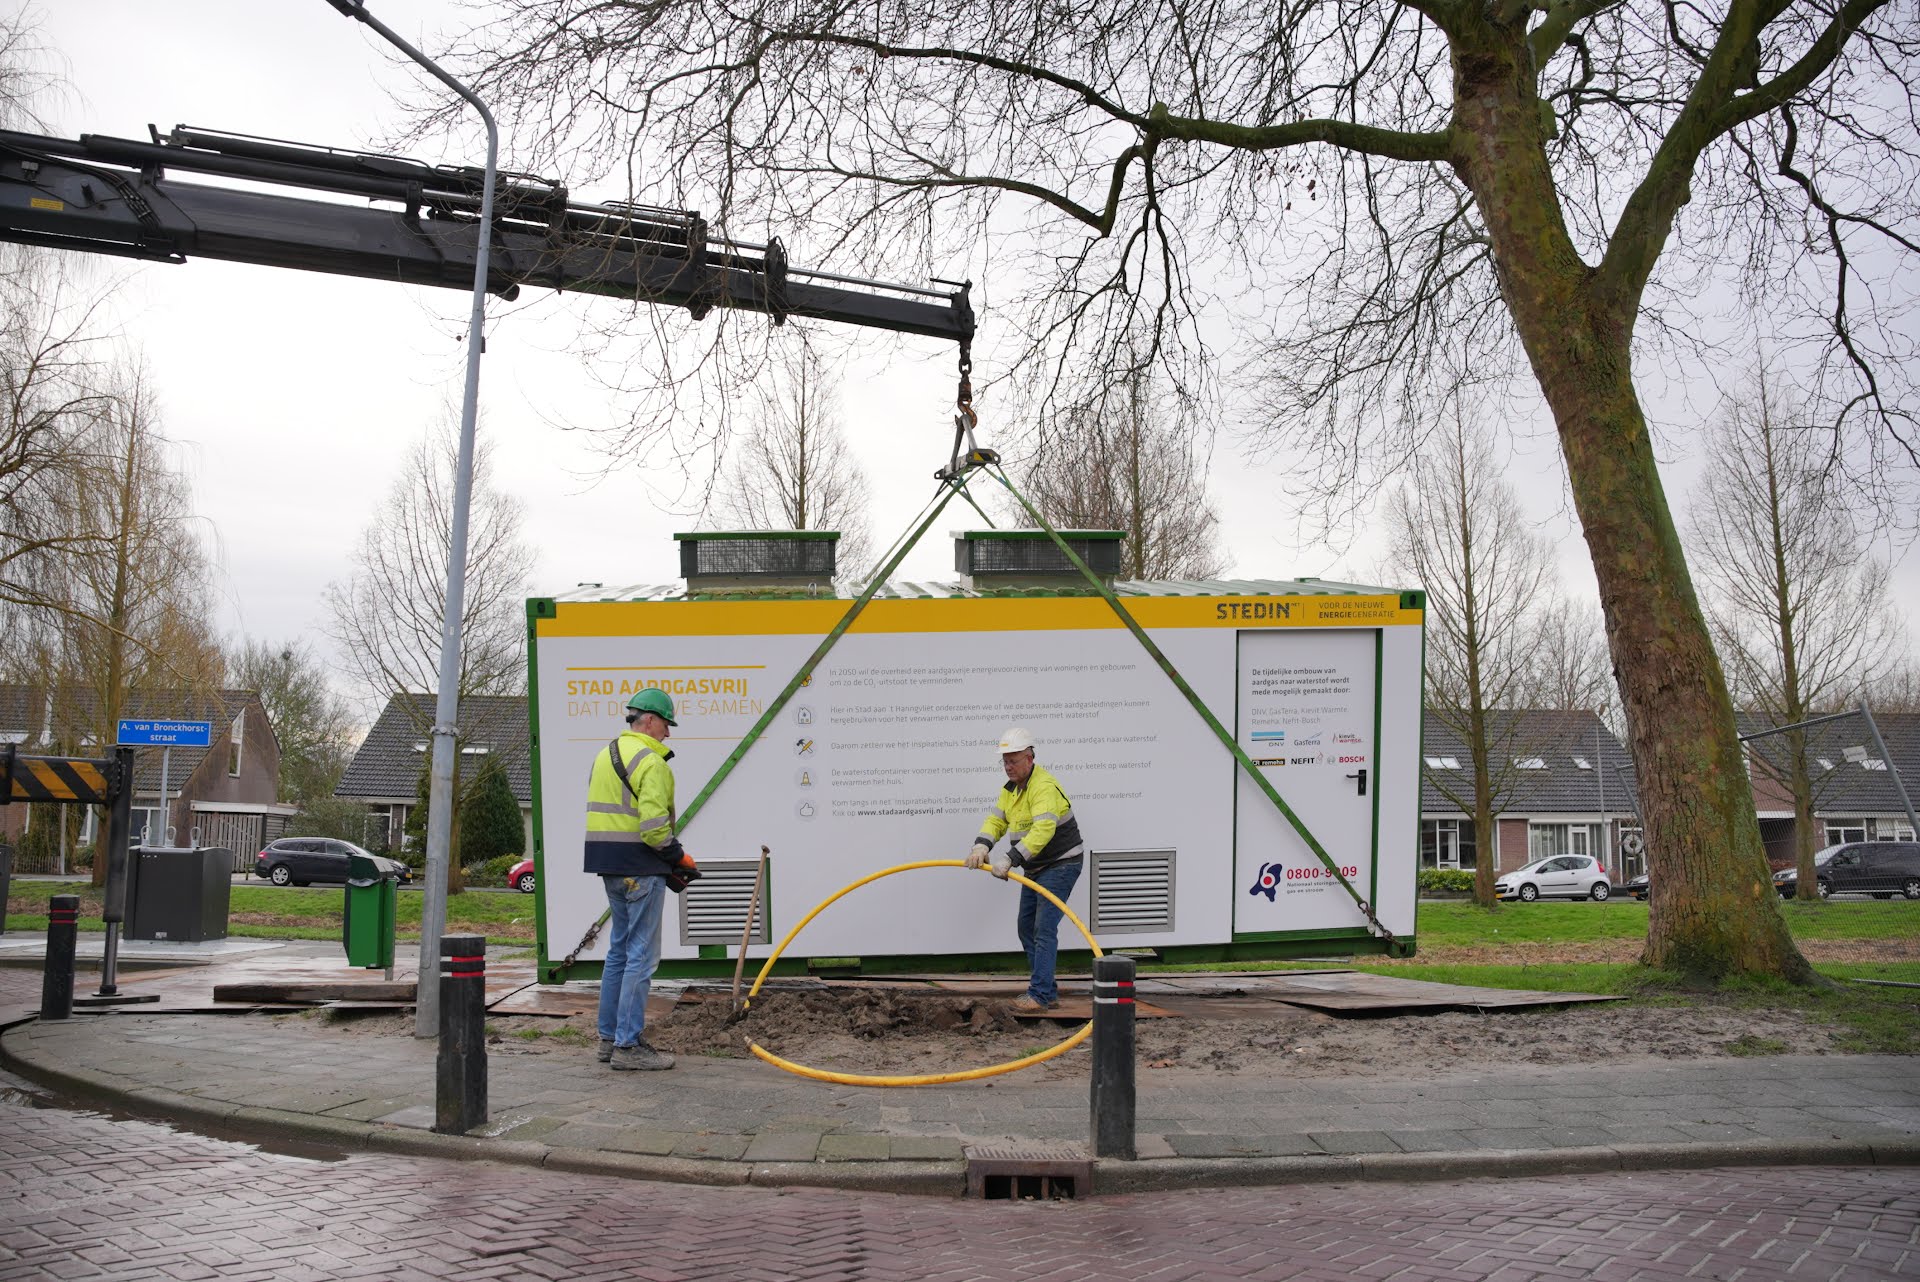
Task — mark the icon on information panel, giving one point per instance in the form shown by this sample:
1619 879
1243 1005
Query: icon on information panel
804 810
803 714
805 779
803 747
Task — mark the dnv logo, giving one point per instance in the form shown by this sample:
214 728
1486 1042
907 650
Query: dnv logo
1267 883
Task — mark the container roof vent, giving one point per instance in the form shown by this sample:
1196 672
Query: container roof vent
1030 558
755 560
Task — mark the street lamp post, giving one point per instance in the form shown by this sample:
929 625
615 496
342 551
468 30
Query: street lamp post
433 913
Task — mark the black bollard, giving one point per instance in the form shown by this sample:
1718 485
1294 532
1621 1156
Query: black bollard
1113 1057
460 1080
56 981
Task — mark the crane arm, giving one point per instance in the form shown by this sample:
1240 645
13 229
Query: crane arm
417 224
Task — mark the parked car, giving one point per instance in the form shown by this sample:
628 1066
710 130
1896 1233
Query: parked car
520 877
1882 869
302 861
1638 887
1565 876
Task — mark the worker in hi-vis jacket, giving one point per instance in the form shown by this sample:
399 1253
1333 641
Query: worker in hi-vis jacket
632 848
1033 813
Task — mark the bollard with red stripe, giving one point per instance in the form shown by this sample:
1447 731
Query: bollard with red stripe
1112 1096
460 1080
56 980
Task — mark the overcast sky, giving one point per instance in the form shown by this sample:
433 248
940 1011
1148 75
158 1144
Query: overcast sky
297 393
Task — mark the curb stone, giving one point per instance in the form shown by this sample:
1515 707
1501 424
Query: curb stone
938 1178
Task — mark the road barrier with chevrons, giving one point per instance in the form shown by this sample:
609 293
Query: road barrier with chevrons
71 779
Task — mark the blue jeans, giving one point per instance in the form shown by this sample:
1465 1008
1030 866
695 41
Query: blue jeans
633 953
1039 927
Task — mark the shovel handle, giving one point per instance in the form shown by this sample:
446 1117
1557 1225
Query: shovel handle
746 931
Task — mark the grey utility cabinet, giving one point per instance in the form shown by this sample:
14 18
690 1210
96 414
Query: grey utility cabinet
179 894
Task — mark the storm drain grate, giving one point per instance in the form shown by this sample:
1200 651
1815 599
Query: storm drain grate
1028 1175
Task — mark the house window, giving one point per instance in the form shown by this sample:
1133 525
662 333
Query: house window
1446 843
236 741
1544 841
148 827
1443 763
1840 830
1826 763
1892 830
1873 763
1529 763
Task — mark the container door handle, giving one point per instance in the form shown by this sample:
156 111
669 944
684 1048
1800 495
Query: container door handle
1362 777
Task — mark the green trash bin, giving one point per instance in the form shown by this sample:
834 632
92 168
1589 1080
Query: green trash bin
366 928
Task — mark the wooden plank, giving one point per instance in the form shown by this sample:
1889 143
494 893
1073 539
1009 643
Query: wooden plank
307 990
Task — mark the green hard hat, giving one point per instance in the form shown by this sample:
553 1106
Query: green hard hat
654 700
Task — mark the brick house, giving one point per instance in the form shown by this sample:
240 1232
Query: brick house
222 795
384 774
1856 792
1563 785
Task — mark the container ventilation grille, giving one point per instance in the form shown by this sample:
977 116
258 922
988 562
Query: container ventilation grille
1035 556
713 910
1132 891
748 557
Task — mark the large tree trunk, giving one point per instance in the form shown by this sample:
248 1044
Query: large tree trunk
1713 910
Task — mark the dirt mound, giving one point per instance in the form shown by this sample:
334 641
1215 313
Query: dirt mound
797 1019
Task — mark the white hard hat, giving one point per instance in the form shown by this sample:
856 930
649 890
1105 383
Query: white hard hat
1018 739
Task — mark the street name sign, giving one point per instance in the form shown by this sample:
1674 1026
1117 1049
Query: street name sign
144 732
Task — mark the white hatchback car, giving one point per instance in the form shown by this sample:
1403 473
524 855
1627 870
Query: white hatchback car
1564 876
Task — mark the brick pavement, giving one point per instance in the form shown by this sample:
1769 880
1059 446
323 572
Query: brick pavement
84 1196
288 1071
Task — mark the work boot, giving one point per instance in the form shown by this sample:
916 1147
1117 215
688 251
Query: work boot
641 1057
605 1052
1026 1005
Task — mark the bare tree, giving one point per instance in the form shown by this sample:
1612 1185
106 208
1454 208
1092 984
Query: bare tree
1457 529
1897 688
1120 465
313 723
1568 665
795 470
1799 607
387 615
1414 188
128 608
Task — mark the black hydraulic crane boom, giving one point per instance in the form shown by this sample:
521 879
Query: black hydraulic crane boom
420 227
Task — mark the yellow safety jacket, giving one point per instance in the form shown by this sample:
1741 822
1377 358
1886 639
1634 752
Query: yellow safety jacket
1039 820
630 828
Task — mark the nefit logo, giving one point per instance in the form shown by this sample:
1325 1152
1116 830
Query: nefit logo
1268 882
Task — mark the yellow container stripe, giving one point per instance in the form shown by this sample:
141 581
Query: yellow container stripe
90 776
967 614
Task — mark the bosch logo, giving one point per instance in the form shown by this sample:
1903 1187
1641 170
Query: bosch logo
1348 761
1268 882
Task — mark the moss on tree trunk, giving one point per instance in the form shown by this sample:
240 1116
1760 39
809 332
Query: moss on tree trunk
1714 914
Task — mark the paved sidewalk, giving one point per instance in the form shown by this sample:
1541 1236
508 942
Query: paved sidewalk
731 1121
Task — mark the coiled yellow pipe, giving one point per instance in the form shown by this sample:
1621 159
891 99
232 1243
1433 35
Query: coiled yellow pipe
914 1079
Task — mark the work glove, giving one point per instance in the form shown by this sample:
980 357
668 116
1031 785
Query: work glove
977 857
683 874
1000 864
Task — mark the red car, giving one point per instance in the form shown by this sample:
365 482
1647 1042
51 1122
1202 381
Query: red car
520 877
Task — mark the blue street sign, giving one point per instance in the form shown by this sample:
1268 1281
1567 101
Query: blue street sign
152 732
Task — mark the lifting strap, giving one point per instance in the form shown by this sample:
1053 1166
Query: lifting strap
948 487
1374 926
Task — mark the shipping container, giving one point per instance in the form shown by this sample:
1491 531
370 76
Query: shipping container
888 754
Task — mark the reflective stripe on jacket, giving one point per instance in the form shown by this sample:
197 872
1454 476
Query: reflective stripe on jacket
1037 818
630 832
